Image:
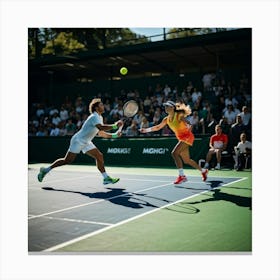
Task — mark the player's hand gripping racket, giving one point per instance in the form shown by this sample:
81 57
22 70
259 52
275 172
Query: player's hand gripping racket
130 108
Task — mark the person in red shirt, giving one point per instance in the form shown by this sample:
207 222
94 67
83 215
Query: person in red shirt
218 144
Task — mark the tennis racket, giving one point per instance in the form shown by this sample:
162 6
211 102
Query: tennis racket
130 108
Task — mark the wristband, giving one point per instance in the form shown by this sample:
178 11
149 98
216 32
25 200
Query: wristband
114 126
115 135
149 129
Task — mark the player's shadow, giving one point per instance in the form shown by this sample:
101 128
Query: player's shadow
214 183
114 195
218 195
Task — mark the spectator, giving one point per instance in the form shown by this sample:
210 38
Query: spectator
117 110
107 107
157 117
56 119
231 101
207 80
40 111
70 127
245 115
225 125
41 131
230 114
242 152
236 129
63 113
55 131
79 121
132 130
211 124
196 123
144 123
166 91
79 105
189 88
138 118
195 95
218 144
62 128
52 111
147 102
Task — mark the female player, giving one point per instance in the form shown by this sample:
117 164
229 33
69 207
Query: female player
176 121
81 141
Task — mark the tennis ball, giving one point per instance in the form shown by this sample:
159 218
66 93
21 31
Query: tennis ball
123 70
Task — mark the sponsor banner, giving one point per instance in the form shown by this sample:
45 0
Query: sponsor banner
123 151
155 151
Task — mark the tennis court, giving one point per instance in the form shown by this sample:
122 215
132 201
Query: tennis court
72 211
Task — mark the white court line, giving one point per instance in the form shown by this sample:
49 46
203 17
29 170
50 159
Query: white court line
100 200
64 244
93 202
59 180
97 175
78 221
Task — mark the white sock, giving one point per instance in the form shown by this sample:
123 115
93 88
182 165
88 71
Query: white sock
218 165
181 171
47 169
203 170
206 165
105 175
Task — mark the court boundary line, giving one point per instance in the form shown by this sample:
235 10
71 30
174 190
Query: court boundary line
77 221
100 200
94 202
80 238
94 172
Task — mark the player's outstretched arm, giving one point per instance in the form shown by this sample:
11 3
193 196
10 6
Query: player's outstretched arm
154 128
104 134
106 127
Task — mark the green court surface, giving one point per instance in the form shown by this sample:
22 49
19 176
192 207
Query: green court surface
211 221
222 224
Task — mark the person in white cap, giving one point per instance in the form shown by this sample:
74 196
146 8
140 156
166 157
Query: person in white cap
175 119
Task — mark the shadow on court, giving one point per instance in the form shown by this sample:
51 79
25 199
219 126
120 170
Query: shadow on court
115 195
212 184
217 195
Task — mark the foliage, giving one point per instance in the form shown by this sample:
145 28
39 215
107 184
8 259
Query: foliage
63 41
186 32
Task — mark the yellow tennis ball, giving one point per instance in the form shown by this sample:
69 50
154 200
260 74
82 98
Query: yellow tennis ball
123 70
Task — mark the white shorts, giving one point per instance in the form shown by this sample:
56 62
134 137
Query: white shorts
76 146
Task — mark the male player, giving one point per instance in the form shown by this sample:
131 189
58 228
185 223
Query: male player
81 141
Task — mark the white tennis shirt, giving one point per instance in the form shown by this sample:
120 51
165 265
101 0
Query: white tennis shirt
89 130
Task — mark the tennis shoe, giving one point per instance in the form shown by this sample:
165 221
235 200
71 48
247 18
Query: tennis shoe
41 174
109 180
204 175
180 179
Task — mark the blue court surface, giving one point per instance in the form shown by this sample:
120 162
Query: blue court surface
71 204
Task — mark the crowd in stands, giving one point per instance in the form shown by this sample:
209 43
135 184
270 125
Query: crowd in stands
217 102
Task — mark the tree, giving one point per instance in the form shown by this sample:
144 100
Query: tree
186 32
62 41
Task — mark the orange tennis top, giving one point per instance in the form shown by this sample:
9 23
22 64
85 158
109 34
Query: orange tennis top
181 129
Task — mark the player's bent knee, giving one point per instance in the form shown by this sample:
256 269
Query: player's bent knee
174 154
99 157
